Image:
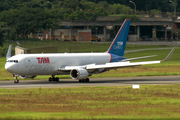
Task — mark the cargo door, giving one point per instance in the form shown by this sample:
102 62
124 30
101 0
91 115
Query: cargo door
27 61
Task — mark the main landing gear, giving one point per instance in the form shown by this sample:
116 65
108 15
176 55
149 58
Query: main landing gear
84 80
53 79
16 80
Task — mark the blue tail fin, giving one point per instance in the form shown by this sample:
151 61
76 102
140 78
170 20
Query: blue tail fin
119 43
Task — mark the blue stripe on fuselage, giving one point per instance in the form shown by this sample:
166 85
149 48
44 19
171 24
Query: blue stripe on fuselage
117 58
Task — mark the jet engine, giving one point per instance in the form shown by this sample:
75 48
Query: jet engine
79 74
28 76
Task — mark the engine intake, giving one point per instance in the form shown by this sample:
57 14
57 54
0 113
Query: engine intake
79 74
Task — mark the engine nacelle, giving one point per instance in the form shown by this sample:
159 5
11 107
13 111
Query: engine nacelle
28 76
79 74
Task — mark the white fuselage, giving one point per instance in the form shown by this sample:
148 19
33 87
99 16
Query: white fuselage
48 64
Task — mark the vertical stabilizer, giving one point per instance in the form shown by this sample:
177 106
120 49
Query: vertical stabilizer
9 52
119 43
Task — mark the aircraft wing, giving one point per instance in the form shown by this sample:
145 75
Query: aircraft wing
118 65
169 55
108 66
69 68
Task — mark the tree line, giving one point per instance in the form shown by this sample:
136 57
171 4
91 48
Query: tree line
18 18
141 5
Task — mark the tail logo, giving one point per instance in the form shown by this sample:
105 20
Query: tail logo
118 46
120 43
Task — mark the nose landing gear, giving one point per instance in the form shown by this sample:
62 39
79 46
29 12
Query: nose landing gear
16 80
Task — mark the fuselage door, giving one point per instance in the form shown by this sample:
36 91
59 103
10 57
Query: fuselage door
27 61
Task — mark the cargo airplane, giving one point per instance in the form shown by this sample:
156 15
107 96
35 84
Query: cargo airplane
79 65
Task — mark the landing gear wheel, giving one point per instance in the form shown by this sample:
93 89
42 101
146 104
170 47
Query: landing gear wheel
87 80
57 79
84 80
50 79
53 79
16 80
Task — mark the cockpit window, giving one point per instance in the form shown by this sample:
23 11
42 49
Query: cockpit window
14 61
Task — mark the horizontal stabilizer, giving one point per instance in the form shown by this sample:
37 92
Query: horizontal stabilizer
138 58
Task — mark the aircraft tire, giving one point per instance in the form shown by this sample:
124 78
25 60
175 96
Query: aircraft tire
50 79
57 79
16 81
87 80
84 80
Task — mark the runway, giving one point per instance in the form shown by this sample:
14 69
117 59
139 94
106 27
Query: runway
122 81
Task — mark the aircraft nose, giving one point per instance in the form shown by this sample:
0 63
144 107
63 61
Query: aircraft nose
8 67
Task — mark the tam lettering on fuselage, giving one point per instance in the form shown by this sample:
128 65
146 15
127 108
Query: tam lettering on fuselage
43 60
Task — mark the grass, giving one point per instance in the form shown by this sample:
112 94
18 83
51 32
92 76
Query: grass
148 102
74 46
